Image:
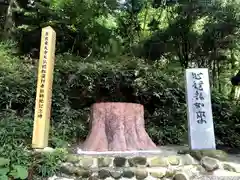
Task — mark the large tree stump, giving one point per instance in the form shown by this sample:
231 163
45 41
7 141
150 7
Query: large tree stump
117 127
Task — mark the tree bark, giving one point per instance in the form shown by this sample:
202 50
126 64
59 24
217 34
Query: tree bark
9 21
117 127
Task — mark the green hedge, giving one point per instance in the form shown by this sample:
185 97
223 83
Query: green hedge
79 83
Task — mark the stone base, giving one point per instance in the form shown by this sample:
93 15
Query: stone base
183 166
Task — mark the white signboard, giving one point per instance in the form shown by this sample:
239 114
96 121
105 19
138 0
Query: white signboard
200 120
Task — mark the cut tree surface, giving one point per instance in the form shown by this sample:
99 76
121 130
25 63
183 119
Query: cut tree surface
117 127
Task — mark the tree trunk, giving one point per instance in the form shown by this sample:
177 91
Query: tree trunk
117 127
9 21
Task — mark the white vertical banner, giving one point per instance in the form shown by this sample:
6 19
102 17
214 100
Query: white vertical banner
200 118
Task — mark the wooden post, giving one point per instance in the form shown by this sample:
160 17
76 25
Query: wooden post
44 89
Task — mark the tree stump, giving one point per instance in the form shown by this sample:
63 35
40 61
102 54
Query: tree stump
117 127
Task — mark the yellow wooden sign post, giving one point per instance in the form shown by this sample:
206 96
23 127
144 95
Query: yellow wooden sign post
44 89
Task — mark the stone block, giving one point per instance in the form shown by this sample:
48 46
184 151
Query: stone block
210 164
87 162
187 159
129 173
83 173
173 160
158 172
137 161
103 173
180 176
72 158
104 161
119 161
141 173
199 154
116 174
159 162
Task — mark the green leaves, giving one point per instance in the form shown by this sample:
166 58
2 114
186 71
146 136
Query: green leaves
19 172
47 164
4 177
4 162
4 171
10 170
181 35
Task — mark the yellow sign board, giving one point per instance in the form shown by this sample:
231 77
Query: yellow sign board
44 89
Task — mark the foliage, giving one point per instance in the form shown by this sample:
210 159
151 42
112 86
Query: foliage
226 116
48 164
79 84
41 165
10 170
15 135
15 139
135 51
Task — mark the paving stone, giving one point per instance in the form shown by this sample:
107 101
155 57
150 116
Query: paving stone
181 176
87 162
83 173
173 160
199 154
68 169
210 164
128 173
141 173
117 174
137 161
187 159
177 167
72 158
119 161
158 174
103 173
104 161
159 162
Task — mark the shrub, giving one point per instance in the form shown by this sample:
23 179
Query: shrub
16 158
79 83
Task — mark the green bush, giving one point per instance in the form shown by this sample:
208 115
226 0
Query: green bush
159 87
15 150
226 121
48 164
79 83
15 138
8 170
